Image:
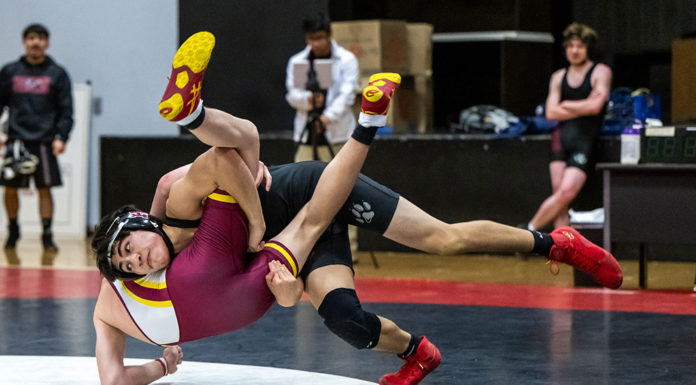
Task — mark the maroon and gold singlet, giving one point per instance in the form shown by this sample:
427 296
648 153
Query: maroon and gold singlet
212 287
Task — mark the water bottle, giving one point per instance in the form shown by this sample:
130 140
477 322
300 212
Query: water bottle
630 143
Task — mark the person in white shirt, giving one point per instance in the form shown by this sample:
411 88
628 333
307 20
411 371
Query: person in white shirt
324 120
328 112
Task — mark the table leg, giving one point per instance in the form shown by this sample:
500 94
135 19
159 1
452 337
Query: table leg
642 266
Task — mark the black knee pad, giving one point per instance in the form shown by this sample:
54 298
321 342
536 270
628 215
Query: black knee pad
344 316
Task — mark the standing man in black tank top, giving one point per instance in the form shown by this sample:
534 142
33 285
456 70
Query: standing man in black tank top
577 98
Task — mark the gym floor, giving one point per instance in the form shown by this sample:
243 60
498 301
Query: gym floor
497 319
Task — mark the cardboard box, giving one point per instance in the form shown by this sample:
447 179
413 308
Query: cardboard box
419 38
683 81
379 45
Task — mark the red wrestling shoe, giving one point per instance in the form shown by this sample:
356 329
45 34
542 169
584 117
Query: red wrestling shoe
184 89
418 365
572 248
378 93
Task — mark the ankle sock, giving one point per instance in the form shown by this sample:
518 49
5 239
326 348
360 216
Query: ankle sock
196 118
363 134
412 346
542 243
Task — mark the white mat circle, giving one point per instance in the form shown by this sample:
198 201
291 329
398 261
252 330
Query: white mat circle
35 370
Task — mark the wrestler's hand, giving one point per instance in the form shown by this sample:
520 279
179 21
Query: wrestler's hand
263 174
174 355
58 147
285 287
256 231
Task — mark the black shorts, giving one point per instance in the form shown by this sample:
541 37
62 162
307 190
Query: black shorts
575 142
370 205
47 172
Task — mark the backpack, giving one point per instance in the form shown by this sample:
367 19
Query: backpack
619 111
486 119
626 105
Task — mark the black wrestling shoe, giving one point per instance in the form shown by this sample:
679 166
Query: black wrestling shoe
12 238
47 241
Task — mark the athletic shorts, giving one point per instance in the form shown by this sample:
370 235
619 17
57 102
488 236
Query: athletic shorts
370 206
47 171
575 143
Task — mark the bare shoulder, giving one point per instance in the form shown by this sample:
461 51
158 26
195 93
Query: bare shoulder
601 76
557 76
104 300
602 71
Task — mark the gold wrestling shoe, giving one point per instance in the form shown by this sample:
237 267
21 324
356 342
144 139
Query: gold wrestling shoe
379 92
183 93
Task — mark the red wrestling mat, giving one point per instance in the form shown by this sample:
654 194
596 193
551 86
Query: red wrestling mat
50 283
545 297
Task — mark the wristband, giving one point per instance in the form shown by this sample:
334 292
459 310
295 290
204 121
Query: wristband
164 364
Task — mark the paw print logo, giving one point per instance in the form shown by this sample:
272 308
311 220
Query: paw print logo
580 158
362 212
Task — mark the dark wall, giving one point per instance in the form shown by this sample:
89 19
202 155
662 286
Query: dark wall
636 36
131 167
510 74
254 40
452 15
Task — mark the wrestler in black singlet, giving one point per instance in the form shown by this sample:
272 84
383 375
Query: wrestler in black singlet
575 140
369 205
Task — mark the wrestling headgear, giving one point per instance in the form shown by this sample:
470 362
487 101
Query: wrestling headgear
134 221
21 161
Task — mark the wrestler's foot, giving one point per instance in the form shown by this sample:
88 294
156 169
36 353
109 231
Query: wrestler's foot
12 237
47 242
418 365
572 248
183 92
376 98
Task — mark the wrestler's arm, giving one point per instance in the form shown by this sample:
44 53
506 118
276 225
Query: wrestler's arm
164 185
159 201
220 129
593 104
218 168
554 109
110 350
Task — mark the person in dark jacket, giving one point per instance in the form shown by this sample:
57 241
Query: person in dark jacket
38 93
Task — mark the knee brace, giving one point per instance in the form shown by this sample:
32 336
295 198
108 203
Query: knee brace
344 316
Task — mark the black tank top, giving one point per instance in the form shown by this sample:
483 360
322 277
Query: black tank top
181 223
579 93
584 130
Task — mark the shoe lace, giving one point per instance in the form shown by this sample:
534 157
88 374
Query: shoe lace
412 369
554 267
579 260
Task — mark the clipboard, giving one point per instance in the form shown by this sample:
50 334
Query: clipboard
321 66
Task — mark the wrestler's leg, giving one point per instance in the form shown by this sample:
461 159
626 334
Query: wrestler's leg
182 103
331 192
413 227
327 279
572 181
556 169
337 179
